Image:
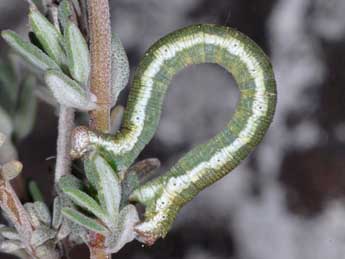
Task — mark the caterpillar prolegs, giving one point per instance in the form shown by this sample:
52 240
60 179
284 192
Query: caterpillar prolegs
205 164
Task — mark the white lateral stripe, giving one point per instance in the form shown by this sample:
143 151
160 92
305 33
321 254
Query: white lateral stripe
234 47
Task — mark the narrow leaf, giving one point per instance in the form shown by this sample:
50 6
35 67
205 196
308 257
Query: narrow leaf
85 201
50 38
10 246
119 67
42 212
125 229
65 11
41 235
70 181
109 190
30 208
9 233
35 192
90 171
77 53
9 84
68 92
57 216
84 221
26 109
29 52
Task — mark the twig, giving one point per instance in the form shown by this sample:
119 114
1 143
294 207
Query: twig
96 247
63 159
100 47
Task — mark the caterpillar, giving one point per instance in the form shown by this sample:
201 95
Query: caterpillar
164 196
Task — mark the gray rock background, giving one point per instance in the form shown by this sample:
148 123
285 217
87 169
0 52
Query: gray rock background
287 199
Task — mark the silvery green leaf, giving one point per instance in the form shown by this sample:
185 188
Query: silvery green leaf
48 250
77 53
109 187
124 232
87 202
64 230
84 221
70 181
9 233
116 116
45 94
30 208
119 68
41 235
11 170
57 216
49 37
9 85
79 234
90 171
35 192
10 246
26 108
43 212
28 51
65 12
5 123
68 92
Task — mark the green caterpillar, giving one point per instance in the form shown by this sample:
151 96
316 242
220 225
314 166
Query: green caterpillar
207 163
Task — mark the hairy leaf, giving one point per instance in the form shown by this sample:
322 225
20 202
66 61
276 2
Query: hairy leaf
124 232
9 233
85 201
10 246
50 38
77 53
42 212
9 84
70 181
109 190
26 108
68 92
41 235
84 221
29 52
119 68
65 11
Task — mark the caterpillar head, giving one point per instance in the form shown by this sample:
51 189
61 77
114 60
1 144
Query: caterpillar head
161 211
80 143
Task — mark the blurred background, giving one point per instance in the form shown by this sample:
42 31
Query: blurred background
286 200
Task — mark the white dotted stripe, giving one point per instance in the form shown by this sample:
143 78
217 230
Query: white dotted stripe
169 51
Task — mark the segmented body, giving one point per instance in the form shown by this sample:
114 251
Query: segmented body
208 162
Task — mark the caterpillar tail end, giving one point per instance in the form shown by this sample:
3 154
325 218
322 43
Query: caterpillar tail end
159 214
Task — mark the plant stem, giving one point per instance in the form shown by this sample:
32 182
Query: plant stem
100 47
96 247
63 159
